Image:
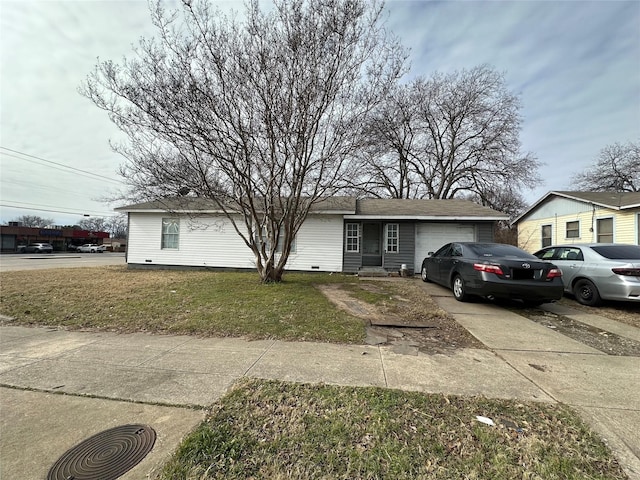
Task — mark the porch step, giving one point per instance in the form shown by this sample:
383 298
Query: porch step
372 272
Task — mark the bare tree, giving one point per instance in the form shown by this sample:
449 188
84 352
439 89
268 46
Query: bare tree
393 137
93 224
33 221
617 169
117 226
506 200
261 115
451 135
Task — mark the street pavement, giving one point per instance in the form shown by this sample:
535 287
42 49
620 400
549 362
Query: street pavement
59 387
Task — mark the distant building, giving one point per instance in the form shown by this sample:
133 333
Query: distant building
13 236
580 217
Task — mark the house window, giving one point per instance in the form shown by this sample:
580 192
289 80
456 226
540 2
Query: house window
280 242
546 235
170 232
352 242
605 230
573 229
391 237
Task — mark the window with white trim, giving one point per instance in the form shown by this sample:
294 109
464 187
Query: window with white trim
572 229
392 235
265 237
546 236
605 230
170 233
352 238
281 242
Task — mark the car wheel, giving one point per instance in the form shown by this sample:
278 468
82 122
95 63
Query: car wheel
586 293
424 275
458 289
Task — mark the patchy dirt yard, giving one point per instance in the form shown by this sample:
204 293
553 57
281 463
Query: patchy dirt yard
625 312
606 342
400 314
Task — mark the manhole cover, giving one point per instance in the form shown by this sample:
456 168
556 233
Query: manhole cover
105 456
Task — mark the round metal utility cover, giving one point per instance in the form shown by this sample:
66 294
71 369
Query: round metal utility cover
106 455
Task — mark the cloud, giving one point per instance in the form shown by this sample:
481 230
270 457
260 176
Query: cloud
575 64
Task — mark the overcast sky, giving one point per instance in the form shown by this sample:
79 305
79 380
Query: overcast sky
575 64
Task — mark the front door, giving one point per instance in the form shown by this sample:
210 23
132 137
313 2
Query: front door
371 245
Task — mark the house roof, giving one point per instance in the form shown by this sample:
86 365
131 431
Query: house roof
205 205
423 209
369 208
612 200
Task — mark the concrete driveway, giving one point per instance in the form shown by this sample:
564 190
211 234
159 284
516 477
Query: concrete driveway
604 389
58 387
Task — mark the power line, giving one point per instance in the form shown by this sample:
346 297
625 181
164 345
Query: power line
49 166
56 163
58 211
38 186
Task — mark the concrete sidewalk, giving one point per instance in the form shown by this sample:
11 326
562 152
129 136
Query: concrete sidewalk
604 389
167 381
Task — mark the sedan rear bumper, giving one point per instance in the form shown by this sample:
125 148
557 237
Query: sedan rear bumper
621 288
492 286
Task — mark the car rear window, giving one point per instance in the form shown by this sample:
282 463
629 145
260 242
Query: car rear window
619 252
489 250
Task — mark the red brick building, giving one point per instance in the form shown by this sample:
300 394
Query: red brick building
12 236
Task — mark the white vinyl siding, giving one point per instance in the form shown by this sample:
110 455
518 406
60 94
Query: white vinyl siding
280 242
213 242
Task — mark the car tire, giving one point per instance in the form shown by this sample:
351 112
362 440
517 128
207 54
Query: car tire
424 274
458 288
586 293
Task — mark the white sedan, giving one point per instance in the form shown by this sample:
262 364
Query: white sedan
91 248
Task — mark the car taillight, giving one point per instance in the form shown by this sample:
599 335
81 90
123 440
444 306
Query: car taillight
628 272
554 273
483 267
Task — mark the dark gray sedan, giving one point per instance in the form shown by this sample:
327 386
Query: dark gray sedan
596 271
493 270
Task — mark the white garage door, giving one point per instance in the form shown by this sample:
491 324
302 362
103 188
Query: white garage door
431 236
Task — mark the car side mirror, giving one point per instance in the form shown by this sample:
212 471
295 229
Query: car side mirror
429 254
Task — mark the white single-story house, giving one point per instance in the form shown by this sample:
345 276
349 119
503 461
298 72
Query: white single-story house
580 217
340 234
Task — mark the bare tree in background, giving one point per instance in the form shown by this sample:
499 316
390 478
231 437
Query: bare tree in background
117 226
261 115
34 221
504 199
394 133
93 224
617 169
450 135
